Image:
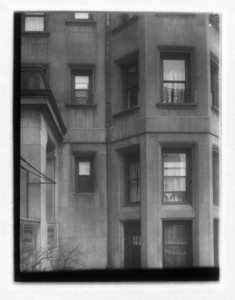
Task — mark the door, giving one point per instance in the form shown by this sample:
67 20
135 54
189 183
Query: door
132 244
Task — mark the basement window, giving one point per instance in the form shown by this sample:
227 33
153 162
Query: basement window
177 244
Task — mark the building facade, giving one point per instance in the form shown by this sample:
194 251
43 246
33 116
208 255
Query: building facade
120 137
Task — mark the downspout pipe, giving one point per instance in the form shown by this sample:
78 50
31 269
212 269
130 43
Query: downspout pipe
108 150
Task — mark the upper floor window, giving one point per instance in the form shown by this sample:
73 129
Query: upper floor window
34 77
176 78
82 87
84 174
82 16
34 22
177 173
130 84
132 178
214 70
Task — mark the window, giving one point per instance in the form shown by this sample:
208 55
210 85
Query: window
82 16
130 84
214 68
176 79
84 174
34 22
28 231
50 188
132 178
82 87
177 243
216 242
215 174
177 176
51 236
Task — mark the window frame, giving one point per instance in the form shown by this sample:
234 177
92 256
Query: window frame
178 53
189 228
85 158
82 19
216 179
216 241
34 14
189 173
126 88
128 159
86 70
214 86
124 63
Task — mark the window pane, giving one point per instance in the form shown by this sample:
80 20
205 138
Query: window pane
175 164
175 197
84 168
134 181
216 182
174 70
172 184
174 92
34 23
176 245
81 82
81 94
32 80
81 16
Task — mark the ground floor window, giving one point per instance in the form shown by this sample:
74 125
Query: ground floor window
216 242
177 244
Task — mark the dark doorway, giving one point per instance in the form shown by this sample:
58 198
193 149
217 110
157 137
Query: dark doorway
132 244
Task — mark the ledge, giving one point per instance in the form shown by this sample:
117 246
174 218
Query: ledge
215 109
81 23
80 106
125 24
126 112
177 105
175 15
44 100
35 33
29 220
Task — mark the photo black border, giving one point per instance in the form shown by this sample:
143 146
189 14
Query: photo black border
200 274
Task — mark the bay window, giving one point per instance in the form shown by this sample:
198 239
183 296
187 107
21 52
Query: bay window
177 176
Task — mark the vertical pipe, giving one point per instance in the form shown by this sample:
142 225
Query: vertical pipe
107 116
27 196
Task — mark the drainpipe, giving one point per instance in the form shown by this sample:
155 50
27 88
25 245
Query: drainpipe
107 121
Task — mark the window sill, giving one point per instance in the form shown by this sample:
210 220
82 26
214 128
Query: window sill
177 204
126 112
81 106
29 220
125 24
80 23
177 105
85 193
132 204
35 33
215 109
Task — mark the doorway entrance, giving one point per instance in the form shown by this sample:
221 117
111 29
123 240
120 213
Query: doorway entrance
132 244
